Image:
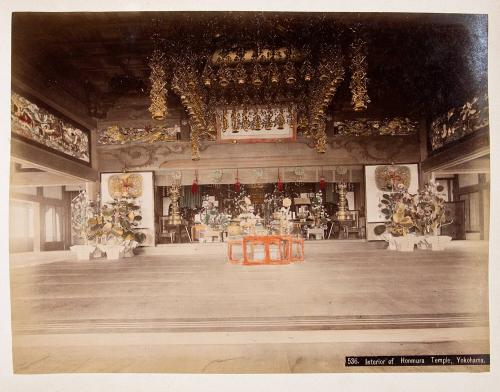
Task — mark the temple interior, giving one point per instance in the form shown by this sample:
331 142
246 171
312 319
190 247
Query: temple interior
247 192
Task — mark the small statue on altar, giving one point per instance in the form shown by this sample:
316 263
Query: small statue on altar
282 218
279 121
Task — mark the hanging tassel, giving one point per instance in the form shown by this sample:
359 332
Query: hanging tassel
194 187
322 184
280 183
237 184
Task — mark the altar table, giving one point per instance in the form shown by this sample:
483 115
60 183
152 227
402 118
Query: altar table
287 249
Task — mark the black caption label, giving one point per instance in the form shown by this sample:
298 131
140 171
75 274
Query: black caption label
419 360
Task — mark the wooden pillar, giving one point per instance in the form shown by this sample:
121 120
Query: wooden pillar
92 189
423 137
37 228
482 182
456 188
39 224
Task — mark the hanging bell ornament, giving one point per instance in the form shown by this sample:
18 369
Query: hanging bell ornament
307 70
223 74
208 75
290 73
274 73
256 75
240 74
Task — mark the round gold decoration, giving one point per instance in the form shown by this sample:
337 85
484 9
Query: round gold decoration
125 185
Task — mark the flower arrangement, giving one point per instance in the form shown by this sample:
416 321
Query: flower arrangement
82 209
428 212
248 220
318 211
236 198
397 208
211 216
422 213
274 200
116 224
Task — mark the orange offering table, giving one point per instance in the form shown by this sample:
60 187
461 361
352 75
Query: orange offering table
267 249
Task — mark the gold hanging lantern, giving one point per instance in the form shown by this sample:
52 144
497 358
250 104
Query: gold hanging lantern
256 75
208 75
224 75
323 70
290 73
307 70
274 73
158 92
240 74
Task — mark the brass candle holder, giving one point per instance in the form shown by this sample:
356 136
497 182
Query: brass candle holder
174 217
342 213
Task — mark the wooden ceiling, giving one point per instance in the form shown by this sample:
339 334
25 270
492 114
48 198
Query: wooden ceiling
419 64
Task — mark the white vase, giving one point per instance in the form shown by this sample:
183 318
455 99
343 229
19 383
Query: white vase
129 249
97 253
405 243
390 241
438 242
113 252
83 252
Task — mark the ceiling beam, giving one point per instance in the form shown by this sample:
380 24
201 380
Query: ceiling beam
33 179
471 148
29 155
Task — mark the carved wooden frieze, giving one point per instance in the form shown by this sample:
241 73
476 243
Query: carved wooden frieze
459 122
35 124
116 134
365 127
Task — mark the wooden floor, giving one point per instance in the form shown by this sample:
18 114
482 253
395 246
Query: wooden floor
342 295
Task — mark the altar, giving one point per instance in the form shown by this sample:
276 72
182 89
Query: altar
266 249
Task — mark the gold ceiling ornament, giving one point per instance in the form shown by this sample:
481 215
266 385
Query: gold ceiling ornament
322 91
358 66
321 139
223 73
195 144
158 92
233 76
208 75
307 70
186 84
